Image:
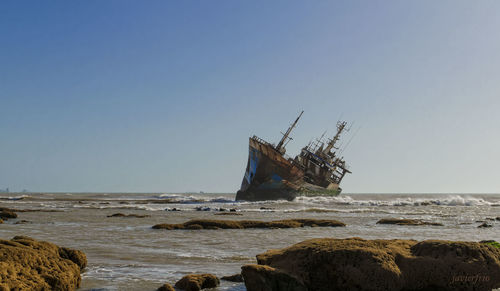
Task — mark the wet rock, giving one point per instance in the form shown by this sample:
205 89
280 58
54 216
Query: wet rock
357 264
166 287
234 210
490 218
484 224
127 215
1 221
7 214
498 218
28 264
242 224
228 213
22 222
233 278
265 278
201 208
195 282
117 215
399 221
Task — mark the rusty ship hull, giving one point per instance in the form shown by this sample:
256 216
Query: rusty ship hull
271 176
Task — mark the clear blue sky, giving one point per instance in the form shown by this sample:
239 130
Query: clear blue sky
163 95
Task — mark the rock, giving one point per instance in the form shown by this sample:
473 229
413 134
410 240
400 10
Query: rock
265 278
241 224
491 243
358 264
399 221
1 221
6 214
195 282
498 218
484 224
27 264
490 218
127 215
166 287
22 222
76 256
228 213
233 278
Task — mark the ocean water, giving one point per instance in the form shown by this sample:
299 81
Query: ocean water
127 254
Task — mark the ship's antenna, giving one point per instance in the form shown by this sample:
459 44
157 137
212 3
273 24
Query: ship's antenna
321 138
340 127
280 146
352 137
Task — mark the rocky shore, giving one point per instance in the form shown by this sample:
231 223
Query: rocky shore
242 224
358 264
28 264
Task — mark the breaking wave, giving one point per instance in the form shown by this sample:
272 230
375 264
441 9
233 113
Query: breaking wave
451 200
14 198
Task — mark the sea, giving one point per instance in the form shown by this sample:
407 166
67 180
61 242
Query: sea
125 253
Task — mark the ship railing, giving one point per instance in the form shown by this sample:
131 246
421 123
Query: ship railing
259 140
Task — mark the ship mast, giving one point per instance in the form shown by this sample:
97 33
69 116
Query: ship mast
333 141
280 148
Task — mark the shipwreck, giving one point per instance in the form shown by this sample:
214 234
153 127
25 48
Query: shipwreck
272 175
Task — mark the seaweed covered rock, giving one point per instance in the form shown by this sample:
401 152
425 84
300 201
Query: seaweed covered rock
242 224
195 282
358 264
27 264
229 213
491 243
233 278
265 278
127 215
76 256
166 287
400 221
7 214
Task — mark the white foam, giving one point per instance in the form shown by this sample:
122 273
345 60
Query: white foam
451 200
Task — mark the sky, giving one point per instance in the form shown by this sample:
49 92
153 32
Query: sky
162 96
